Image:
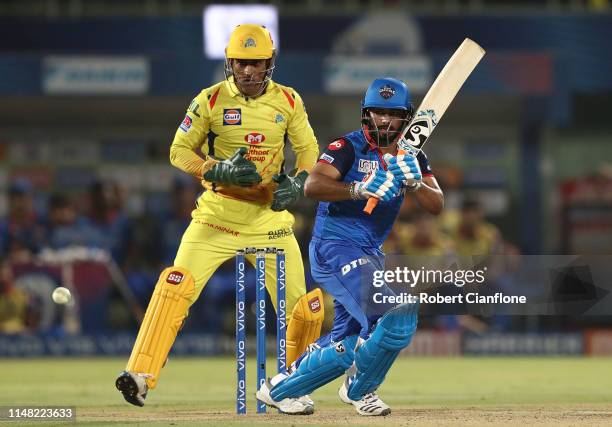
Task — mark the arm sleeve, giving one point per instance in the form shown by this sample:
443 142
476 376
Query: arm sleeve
301 136
340 154
189 137
424 164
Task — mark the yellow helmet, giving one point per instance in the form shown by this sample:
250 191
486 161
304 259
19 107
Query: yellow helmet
250 41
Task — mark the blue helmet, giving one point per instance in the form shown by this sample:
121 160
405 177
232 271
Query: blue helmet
390 94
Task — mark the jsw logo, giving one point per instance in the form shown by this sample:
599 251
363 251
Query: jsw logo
353 264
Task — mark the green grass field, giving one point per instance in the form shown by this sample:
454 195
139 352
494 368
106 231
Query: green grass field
421 391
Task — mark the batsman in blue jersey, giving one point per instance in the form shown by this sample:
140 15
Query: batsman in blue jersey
346 250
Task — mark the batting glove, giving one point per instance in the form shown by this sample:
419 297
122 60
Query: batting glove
380 184
406 169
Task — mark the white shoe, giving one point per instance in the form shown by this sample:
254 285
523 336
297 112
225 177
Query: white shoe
369 405
289 405
306 400
133 386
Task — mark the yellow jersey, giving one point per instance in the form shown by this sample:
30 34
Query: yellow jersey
220 120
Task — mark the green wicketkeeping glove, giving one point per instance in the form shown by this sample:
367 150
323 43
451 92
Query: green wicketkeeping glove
234 171
289 190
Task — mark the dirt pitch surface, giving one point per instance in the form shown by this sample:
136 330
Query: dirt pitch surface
421 391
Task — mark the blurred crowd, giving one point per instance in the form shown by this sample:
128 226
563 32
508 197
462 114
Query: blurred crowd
141 246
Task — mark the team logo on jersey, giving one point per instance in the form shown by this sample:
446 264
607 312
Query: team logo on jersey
175 278
327 158
279 118
250 42
367 166
336 145
386 91
254 138
232 116
185 124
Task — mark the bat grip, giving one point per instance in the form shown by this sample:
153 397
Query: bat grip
373 201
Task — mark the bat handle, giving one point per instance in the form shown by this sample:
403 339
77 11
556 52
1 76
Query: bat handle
373 201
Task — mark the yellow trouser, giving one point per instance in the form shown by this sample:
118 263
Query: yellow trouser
220 226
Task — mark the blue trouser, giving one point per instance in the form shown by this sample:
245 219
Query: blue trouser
346 273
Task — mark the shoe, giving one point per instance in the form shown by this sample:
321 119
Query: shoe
369 405
133 386
289 405
306 400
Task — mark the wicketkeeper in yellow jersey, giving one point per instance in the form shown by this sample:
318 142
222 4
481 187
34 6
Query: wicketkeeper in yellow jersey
241 125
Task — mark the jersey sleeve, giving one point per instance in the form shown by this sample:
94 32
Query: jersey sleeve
300 133
190 135
340 154
424 164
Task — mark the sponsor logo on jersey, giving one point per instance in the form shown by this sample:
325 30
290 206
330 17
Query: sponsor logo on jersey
314 304
186 124
367 166
353 264
254 138
386 91
281 232
232 116
336 145
327 158
220 228
194 108
175 278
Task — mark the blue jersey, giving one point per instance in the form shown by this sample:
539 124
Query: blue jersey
345 220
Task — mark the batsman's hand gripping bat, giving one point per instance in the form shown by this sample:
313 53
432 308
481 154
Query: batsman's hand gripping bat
436 101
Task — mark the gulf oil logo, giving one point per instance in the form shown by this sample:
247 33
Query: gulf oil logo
254 138
232 116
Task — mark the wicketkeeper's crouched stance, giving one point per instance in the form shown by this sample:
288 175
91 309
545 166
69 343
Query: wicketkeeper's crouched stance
345 252
244 120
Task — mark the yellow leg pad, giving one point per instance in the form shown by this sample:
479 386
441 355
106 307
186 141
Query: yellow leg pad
165 314
305 325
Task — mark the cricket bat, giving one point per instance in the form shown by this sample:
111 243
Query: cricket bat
436 101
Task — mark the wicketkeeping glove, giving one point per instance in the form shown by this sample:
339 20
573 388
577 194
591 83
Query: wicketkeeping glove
406 169
289 190
380 184
234 171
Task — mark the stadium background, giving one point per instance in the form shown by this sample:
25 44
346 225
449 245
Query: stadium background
92 92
